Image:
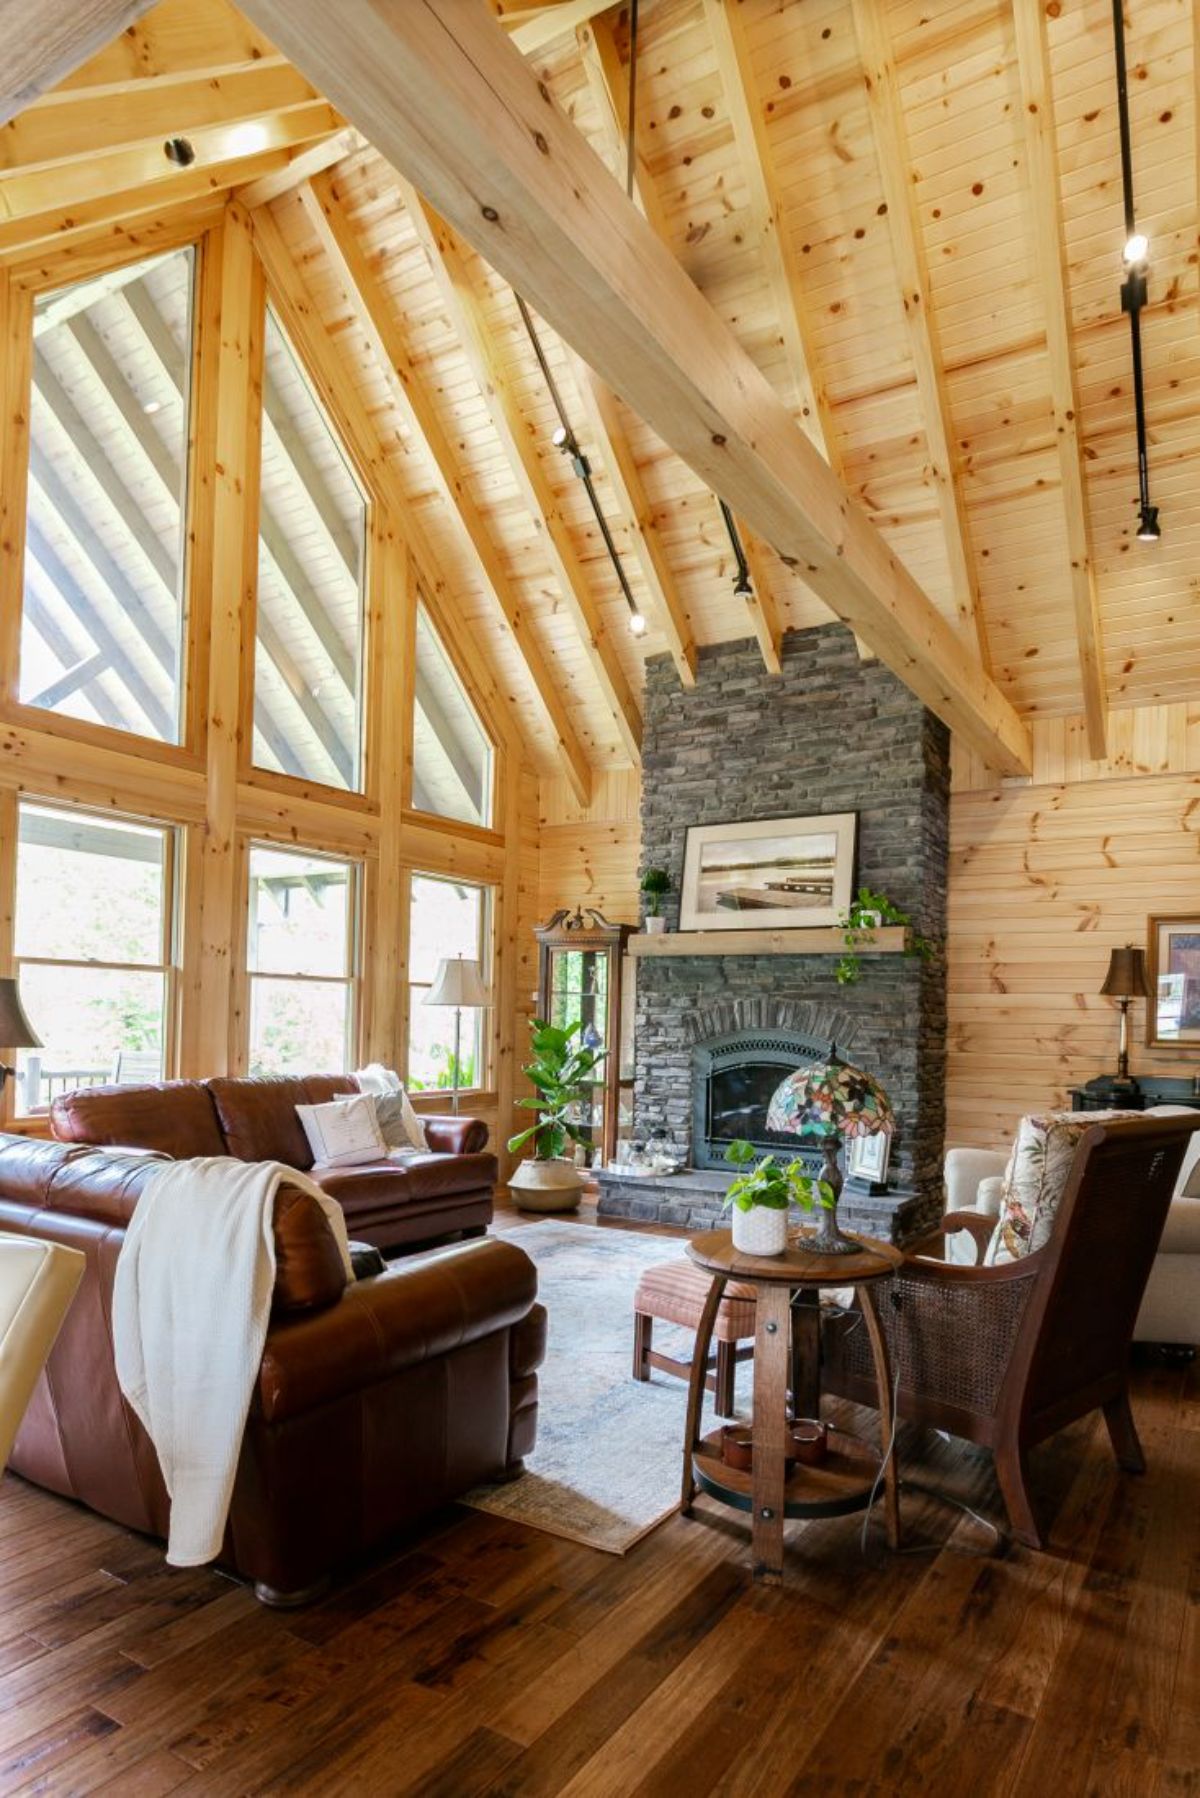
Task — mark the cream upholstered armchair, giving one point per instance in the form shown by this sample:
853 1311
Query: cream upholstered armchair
37 1283
1170 1309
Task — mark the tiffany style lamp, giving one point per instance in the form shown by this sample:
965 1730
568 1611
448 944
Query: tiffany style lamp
834 1101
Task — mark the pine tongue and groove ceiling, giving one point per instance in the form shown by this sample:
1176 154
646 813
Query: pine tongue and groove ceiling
905 307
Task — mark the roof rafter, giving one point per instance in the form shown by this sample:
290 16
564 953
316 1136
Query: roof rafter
440 91
904 227
1041 157
444 252
376 319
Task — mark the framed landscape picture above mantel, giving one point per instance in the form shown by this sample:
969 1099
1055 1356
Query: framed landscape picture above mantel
775 874
1173 967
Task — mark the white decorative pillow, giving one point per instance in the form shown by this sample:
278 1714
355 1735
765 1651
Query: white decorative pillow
400 1123
344 1131
377 1079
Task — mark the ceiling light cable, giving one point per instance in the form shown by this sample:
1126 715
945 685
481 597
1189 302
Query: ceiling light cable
1133 288
566 440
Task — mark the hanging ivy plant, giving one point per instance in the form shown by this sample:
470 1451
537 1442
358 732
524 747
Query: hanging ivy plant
868 912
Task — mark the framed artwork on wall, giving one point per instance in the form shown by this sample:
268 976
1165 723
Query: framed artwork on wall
1173 972
774 874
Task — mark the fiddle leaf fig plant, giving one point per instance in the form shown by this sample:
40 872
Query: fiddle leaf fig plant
868 912
771 1184
560 1072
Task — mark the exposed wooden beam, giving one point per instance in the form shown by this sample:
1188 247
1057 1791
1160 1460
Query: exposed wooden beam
300 167
609 83
35 612
175 41
32 193
377 321
43 43
439 90
761 607
531 28
93 125
602 410
446 259
904 227
1050 260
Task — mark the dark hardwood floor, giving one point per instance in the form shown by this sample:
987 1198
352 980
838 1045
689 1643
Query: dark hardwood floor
483 1657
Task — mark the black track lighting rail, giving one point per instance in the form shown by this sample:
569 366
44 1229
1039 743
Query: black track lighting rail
1134 286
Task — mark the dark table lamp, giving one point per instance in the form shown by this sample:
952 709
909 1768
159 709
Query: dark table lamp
1125 980
16 1032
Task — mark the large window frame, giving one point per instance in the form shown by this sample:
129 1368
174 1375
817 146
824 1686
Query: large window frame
25 284
166 968
422 613
351 980
413 989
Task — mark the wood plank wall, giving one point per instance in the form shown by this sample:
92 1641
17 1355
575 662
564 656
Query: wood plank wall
1046 877
207 786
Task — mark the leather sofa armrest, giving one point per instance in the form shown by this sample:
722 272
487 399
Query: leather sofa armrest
418 1310
455 1136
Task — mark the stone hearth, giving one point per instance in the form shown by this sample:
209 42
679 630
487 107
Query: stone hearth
832 733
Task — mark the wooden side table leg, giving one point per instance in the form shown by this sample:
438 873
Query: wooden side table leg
883 1379
806 1353
697 1381
772 1352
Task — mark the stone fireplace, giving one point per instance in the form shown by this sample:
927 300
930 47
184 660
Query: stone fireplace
832 733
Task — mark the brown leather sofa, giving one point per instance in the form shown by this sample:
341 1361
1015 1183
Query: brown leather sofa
376 1401
392 1205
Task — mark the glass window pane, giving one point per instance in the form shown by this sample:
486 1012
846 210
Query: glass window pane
299 914
446 919
96 1025
431 1045
299 1026
102 623
88 888
311 568
452 757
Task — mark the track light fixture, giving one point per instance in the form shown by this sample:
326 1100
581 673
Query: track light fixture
1133 287
743 586
564 439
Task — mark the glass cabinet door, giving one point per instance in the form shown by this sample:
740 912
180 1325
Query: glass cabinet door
579 991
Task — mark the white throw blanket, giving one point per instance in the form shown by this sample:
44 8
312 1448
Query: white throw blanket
191 1304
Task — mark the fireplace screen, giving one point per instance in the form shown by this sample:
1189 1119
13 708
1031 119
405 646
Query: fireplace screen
734 1080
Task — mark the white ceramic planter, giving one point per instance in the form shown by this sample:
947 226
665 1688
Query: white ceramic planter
759 1231
656 926
546 1185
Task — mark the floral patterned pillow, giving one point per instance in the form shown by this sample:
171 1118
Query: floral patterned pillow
1036 1178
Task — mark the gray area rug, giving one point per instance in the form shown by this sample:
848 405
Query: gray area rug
609 1455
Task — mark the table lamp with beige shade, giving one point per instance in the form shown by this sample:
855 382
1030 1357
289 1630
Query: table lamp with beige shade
458 984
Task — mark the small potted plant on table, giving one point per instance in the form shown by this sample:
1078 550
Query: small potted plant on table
759 1197
561 1072
655 882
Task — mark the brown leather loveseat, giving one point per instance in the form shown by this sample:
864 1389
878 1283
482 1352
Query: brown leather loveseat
375 1403
389 1204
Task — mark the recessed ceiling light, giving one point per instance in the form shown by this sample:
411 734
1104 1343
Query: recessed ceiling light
151 407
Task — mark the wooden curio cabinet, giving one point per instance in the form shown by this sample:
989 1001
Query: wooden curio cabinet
582 974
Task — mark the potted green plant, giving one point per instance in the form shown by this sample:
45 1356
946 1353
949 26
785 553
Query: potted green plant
868 911
561 1073
759 1197
655 882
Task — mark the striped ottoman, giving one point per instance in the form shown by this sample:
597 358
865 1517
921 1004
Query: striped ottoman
675 1291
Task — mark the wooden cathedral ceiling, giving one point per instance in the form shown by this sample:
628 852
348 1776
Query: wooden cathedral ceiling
908 217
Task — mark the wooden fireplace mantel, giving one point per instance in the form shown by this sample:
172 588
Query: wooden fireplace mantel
891 939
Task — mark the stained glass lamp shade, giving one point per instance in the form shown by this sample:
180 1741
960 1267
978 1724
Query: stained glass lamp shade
834 1101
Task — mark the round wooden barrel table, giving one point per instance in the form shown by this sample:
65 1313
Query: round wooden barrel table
769 1492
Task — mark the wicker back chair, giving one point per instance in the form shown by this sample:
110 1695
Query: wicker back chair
1007 1355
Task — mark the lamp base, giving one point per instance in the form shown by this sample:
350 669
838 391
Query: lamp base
1113 1092
828 1239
